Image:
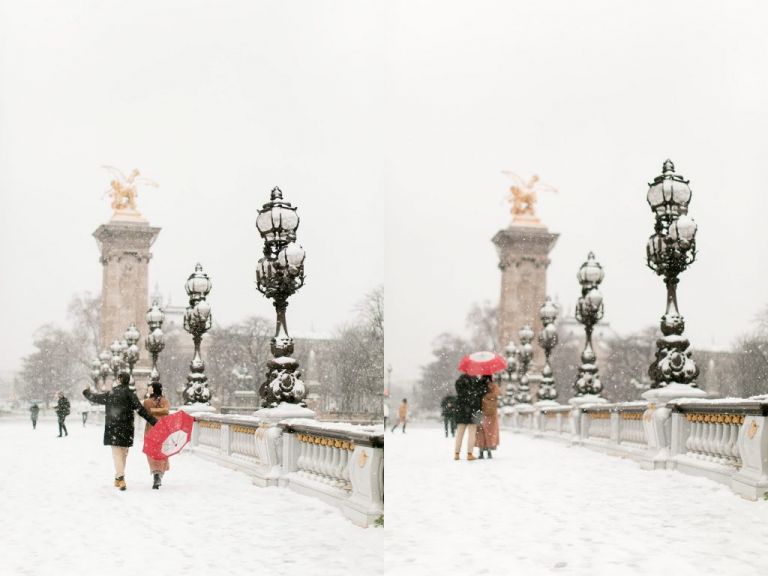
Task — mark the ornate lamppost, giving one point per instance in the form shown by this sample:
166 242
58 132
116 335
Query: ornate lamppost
155 341
512 376
131 350
116 362
589 311
547 340
96 373
197 321
104 369
669 251
525 355
279 274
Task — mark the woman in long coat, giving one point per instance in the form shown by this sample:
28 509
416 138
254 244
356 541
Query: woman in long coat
488 432
120 403
157 405
469 396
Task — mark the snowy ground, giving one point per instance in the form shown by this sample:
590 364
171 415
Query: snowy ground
60 515
541 507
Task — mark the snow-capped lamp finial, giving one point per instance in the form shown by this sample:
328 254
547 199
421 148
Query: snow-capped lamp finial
668 166
277 194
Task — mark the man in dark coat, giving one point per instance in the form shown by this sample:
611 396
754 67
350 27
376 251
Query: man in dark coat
62 411
469 401
34 411
448 412
120 404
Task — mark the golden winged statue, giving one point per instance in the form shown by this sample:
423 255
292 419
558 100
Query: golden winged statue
122 189
523 196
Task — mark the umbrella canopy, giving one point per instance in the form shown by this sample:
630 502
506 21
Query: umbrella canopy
169 435
482 363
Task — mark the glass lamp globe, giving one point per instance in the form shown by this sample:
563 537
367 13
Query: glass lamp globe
203 309
291 256
591 272
277 220
132 334
548 312
198 284
155 315
684 228
594 298
526 334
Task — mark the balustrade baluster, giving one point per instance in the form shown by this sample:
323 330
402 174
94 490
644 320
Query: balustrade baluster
334 468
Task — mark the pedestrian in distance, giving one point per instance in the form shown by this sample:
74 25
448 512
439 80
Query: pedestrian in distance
34 412
448 412
469 398
85 417
488 431
386 414
119 405
402 415
159 406
62 411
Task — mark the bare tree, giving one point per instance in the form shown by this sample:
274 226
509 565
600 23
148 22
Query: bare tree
53 366
358 357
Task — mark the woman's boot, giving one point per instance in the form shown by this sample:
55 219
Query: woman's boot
156 483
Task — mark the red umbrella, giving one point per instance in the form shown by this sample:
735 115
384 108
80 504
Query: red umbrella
169 435
482 363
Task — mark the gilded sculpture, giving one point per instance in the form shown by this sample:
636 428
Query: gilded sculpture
522 195
122 190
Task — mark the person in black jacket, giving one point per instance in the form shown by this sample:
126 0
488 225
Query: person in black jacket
62 411
34 411
448 412
120 404
469 400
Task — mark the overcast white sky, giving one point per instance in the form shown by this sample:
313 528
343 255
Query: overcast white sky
388 124
216 101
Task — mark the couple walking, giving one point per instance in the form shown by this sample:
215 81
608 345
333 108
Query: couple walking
477 415
120 404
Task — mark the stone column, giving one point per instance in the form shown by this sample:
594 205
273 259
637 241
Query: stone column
125 254
523 249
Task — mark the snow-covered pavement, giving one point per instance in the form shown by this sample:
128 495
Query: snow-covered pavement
60 515
542 507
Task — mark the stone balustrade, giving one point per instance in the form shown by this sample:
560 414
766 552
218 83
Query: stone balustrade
596 423
340 463
725 440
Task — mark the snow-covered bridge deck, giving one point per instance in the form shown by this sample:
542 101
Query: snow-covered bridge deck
60 515
542 507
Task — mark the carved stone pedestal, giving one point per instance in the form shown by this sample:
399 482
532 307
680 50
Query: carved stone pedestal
124 243
523 250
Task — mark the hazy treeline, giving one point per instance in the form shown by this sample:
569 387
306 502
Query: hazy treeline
348 364
741 371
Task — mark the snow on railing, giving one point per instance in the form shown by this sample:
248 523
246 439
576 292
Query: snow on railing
724 439
340 463
596 423
325 460
210 434
631 428
713 437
